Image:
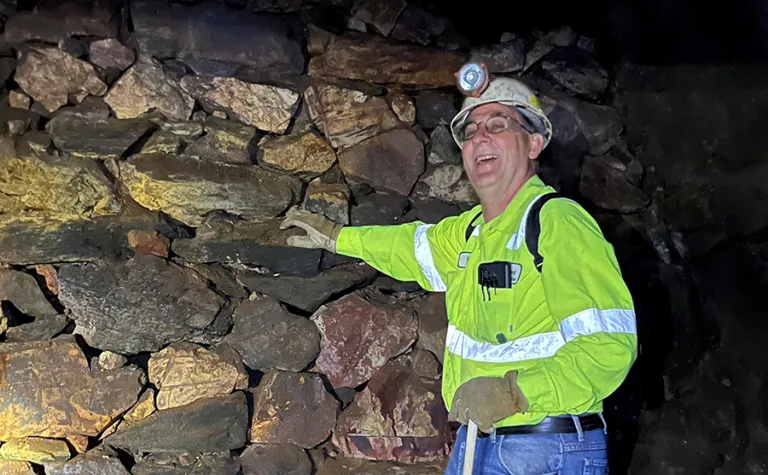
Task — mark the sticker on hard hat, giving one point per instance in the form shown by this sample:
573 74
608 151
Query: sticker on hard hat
534 102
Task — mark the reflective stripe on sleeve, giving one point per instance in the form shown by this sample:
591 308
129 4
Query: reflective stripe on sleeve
426 261
542 345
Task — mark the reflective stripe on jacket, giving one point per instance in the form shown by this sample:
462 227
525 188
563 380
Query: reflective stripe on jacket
570 330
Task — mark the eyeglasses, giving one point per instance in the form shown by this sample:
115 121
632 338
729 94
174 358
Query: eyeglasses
493 125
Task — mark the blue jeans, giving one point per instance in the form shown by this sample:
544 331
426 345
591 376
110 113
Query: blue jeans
533 454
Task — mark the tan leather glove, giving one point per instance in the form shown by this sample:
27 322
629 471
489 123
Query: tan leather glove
487 400
321 232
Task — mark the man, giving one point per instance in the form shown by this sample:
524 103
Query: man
531 352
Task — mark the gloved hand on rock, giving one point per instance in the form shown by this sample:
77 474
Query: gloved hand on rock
321 232
487 400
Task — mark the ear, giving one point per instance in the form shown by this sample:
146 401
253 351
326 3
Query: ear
535 145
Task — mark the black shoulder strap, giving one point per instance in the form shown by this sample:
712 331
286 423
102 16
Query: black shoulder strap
471 227
533 228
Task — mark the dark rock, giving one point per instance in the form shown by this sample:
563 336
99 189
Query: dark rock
51 77
292 408
265 107
146 86
275 459
452 39
506 57
206 425
706 185
558 167
448 183
278 6
224 141
348 116
328 199
601 125
398 417
442 148
369 58
388 285
222 463
140 305
378 209
425 364
74 46
576 71
99 461
209 37
308 293
418 25
188 189
359 337
24 293
434 109
41 329
269 337
110 54
355 466
250 244
7 67
432 211
61 397
391 161
102 139
57 21
223 278
612 184
380 15
92 108
433 323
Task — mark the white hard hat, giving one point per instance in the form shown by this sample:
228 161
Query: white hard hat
510 92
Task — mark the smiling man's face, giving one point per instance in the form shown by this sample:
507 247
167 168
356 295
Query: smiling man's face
497 165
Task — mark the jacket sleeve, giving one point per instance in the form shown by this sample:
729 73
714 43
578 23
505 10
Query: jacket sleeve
593 309
419 252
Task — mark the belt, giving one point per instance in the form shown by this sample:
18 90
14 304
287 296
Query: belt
552 425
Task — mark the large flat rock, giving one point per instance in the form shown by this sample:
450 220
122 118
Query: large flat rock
61 397
220 463
187 188
370 58
103 139
138 305
217 40
52 22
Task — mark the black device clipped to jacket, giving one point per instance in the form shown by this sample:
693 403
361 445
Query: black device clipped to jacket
497 275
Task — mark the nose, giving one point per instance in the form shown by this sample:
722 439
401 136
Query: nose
480 136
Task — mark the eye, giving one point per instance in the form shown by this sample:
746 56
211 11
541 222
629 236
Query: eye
469 131
496 124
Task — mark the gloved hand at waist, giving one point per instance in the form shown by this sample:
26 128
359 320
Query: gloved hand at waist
321 232
487 400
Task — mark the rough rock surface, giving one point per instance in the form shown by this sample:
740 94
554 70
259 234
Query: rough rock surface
144 408
46 189
111 54
22 291
275 459
187 188
348 116
139 305
41 329
15 467
306 155
146 86
578 72
184 373
433 323
265 107
329 199
506 57
417 25
601 125
435 109
210 38
99 461
378 209
359 337
224 141
268 337
292 408
612 184
55 21
354 466
391 161
448 183
36 450
257 244
403 107
397 417
50 75
221 463
308 293
206 425
61 397
380 15
148 242
370 59
103 139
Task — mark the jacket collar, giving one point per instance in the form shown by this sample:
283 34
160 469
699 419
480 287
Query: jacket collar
509 220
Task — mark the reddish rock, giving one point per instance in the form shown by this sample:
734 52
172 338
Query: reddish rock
391 161
359 336
433 323
292 408
48 272
148 242
398 417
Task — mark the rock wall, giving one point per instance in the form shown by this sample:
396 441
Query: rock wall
153 319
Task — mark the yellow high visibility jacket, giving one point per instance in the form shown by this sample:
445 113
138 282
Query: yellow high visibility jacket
569 330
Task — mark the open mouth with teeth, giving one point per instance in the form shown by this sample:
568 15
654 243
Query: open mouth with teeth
485 158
